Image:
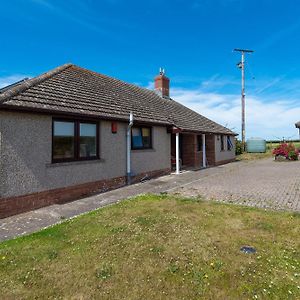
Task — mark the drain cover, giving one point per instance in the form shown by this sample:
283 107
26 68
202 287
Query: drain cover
248 249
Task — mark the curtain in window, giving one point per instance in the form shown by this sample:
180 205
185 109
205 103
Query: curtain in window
141 137
146 137
137 139
229 143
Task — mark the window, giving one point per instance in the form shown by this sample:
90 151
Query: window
222 143
141 138
74 140
229 143
63 140
88 140
199 142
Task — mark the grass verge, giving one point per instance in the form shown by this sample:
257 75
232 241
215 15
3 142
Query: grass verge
158 247
253 156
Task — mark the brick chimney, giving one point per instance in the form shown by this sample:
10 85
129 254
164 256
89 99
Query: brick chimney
162 84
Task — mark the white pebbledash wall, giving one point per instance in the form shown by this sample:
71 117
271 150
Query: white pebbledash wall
25 155
226 154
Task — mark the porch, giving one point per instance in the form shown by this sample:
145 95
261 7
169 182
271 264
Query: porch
195 150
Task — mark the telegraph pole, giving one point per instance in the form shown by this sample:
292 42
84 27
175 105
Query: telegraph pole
241 65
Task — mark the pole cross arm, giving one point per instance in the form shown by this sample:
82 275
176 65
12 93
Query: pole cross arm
243 50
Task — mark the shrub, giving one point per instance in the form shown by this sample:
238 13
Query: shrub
289 151
238 147
293 155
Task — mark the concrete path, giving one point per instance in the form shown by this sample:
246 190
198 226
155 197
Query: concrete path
258 183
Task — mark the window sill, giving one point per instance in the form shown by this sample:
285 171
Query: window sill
71 163
143 150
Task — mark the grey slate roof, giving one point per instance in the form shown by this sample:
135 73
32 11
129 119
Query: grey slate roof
70 89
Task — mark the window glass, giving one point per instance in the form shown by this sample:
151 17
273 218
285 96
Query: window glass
63 140
88 140
222 143
74 140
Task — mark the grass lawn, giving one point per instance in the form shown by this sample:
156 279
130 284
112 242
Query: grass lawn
158 247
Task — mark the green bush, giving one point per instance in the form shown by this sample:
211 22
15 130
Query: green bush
293 155
238 147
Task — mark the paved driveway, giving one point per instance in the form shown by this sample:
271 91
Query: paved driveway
263 183
260 183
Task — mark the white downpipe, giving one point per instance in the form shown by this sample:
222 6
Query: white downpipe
203 151
177 154
128 138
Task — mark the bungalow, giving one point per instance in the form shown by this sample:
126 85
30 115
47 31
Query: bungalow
67 134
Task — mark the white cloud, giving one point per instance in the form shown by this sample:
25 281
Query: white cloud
265 118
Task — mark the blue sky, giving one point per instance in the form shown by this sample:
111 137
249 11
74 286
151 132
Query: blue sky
192 40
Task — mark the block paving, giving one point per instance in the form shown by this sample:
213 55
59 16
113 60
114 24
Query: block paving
262 183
